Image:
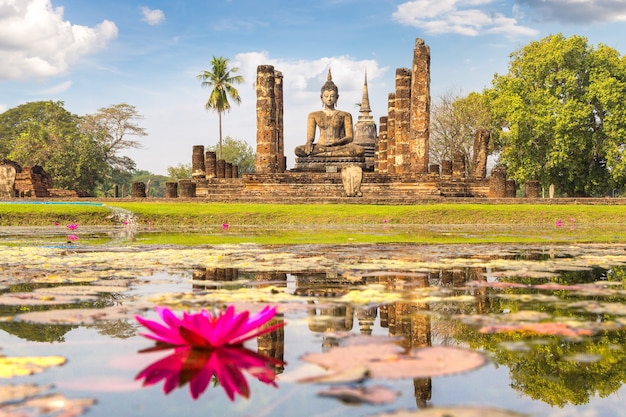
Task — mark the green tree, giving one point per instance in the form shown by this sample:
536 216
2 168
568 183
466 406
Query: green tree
454 122
239 153
44 133
179 172
111 127
562 116
221 79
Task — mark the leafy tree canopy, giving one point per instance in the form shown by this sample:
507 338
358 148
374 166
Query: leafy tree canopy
239 153
44 133
560 115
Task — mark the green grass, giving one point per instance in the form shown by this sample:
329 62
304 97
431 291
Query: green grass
201 223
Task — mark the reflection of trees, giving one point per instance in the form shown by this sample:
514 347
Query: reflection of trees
36 332
553 369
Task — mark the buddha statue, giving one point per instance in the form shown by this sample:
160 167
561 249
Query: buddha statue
335 127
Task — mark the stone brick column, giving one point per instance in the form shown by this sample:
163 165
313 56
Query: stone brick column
220 168
446 168
187 188
197 162
511 190
403 120
479 158
380 164
138 190
171 190
266 123
420 107
235 171
458 165
497 182
280 135
391 131
531 189
228 170
210 160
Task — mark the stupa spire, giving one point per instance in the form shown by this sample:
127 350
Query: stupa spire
365 101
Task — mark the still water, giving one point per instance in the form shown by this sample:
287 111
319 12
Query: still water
549 321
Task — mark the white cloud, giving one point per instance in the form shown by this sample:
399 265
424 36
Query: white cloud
463 17
152 16
35 41
58 88
576 11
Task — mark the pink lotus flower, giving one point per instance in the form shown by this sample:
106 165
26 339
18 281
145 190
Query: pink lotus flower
205 330
225 226
72 238
558 223
72 226
199 367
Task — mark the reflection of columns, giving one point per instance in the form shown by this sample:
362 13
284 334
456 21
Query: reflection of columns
366 318
332 319
215 275
273 344
406 319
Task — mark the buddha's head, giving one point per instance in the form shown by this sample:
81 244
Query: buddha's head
329 92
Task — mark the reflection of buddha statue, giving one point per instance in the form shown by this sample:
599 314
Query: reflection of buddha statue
335 128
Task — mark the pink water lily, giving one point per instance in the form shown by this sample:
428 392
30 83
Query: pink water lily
205 330
200 367
72 226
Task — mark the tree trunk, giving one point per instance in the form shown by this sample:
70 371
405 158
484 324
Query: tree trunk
219 118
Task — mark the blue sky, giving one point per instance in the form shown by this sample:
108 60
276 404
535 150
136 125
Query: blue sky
93 54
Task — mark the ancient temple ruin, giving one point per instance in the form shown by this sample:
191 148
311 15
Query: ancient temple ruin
393 160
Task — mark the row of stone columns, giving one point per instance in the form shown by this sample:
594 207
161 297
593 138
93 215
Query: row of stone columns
206 165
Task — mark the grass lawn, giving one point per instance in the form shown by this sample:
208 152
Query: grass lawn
201 222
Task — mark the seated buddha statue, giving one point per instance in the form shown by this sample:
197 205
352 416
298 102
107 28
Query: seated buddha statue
335 128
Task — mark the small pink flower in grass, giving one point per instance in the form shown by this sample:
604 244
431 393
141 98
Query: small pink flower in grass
72 238
205 330
558 223
56 223
225 226
72 226
385 221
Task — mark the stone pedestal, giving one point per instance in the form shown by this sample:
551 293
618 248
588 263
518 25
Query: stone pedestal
497 182
138 190
531 189
327 164
352 176
187 189
171 190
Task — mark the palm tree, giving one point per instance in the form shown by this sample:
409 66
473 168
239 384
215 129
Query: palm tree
222 80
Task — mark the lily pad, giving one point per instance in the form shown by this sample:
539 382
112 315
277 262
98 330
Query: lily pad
376 395
20 366
49 405
30 299
77 316
19 392
387 361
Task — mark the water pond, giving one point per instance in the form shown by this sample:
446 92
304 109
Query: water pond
370 330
